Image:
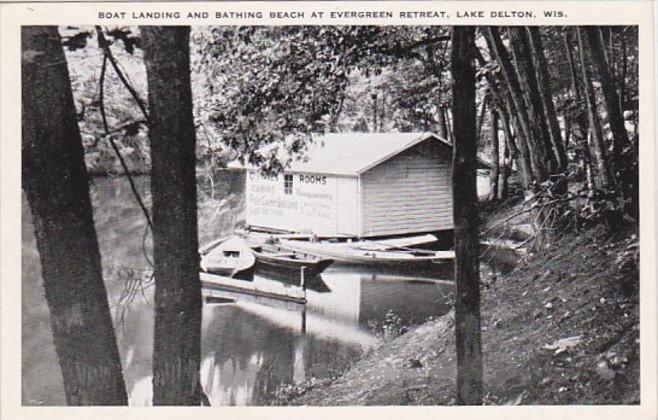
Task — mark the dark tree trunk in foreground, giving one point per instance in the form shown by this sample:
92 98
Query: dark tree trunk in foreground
177 338
619 135
55 181
465 209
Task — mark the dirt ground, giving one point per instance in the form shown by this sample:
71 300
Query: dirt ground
562 328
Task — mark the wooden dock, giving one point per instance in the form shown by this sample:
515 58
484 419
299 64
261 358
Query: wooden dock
258 287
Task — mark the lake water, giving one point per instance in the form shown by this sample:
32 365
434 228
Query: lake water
249 348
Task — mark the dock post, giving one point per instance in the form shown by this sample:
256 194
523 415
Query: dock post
302 274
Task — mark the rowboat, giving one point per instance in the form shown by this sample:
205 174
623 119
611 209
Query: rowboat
276 258
229 257
346 253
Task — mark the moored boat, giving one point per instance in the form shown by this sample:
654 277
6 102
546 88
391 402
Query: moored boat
274 257
229 257
346 253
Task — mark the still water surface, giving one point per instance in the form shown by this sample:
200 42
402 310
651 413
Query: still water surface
249 348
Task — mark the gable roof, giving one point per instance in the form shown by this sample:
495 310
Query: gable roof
356 153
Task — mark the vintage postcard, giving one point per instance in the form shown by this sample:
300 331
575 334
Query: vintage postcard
328 209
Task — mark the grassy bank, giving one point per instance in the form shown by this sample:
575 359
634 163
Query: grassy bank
562 328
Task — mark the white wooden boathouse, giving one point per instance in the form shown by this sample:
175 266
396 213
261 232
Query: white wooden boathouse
358 185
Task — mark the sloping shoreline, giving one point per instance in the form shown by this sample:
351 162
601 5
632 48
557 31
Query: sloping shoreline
561 329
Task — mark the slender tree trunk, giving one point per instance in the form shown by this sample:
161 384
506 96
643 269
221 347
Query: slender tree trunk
505 106
495 173
56 183
520 150
507 162
481 114
443 126
375 127
447 119
466 220
597 147
622 77
528 134
382 115
523 61
619 135
177 337
581 120
543 80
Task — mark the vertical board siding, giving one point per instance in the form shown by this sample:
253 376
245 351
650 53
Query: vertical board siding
347 206
409 193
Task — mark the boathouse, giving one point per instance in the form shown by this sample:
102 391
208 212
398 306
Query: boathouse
358 185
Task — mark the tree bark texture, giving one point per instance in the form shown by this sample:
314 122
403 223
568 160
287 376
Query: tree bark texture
442 125
520 150
56 183
507 162
177 336
503 104
581 114
596 144
616 119
495 173
543 80
527 74
466 222
520 109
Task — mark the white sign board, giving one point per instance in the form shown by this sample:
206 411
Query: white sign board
295 202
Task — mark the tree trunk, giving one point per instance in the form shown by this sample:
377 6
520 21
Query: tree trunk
375 127
622 76
56 183
495 173
465 209
448 121
443 126
581 120
523 61
596 146
520 151
509 157
528 135
543 81
481 114
505 105
177 337
619 135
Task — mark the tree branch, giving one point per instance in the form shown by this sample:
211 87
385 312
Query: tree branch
116 148
105 45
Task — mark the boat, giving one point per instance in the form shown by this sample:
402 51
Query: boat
272 257
230 256
397 257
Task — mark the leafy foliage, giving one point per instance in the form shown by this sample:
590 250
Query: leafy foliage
268 89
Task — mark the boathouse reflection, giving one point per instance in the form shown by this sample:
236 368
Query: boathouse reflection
251 347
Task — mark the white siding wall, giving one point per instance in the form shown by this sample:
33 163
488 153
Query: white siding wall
347 206
309 207
409 193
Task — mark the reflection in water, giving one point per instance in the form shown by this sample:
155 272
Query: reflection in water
251 348
248 348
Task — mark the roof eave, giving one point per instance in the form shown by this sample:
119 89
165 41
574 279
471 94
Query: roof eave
420 139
